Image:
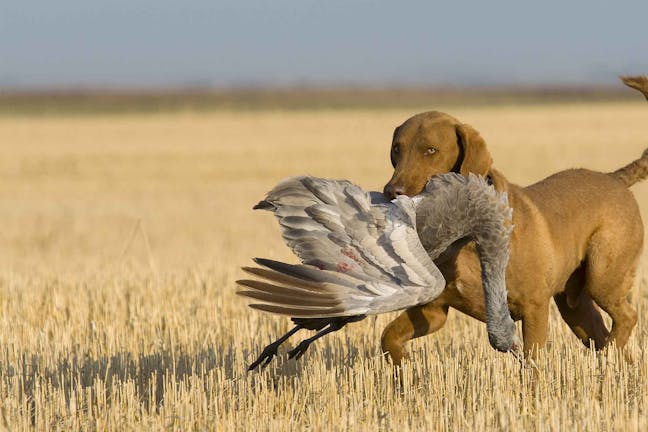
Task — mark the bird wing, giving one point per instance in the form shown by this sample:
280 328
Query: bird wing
357 257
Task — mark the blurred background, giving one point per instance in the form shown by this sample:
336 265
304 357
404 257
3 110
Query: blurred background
235 52
127 116
171 119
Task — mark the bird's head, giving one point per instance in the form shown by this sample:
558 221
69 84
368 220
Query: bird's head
503 337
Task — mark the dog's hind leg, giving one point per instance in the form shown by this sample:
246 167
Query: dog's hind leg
584 319
609 277
579 312
613 300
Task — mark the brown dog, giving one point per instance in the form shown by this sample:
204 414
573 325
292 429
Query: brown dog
578 236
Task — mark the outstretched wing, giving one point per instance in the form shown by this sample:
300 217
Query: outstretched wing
358 257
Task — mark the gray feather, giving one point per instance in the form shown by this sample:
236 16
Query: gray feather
364 255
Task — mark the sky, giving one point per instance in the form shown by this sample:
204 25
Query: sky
238 43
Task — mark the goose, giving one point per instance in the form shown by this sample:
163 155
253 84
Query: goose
363 255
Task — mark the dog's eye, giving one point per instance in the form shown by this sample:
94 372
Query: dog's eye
395 149
429 151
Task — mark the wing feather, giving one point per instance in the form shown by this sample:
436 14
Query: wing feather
364 255
361 255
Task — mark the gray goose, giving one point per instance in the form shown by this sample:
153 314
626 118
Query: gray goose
363 255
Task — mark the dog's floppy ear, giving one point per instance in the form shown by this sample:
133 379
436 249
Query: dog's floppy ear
391 151
476 158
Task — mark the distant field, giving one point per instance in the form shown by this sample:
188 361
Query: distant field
140 101
122 236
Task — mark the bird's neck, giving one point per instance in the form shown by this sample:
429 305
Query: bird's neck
455 211
493 270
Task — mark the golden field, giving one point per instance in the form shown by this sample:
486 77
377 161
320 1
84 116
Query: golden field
122 235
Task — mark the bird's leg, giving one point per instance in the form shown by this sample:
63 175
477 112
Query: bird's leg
271 350
300 349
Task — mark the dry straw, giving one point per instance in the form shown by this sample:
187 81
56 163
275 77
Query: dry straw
156 339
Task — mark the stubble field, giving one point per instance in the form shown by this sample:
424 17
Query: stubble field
121 237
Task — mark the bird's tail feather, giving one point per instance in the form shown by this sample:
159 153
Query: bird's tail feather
300 291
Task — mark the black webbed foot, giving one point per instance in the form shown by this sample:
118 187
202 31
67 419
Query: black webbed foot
299 350
265 357
270 351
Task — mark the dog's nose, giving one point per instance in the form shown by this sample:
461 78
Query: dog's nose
392 191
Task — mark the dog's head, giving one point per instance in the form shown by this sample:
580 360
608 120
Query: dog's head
434 143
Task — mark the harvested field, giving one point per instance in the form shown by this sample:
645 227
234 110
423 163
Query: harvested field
122 236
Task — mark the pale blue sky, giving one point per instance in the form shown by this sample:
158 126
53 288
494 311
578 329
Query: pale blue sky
233 43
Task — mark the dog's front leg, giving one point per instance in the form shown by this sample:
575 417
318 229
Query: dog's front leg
535 322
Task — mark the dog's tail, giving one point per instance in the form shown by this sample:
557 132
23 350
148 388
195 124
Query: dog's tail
634 171
637 170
